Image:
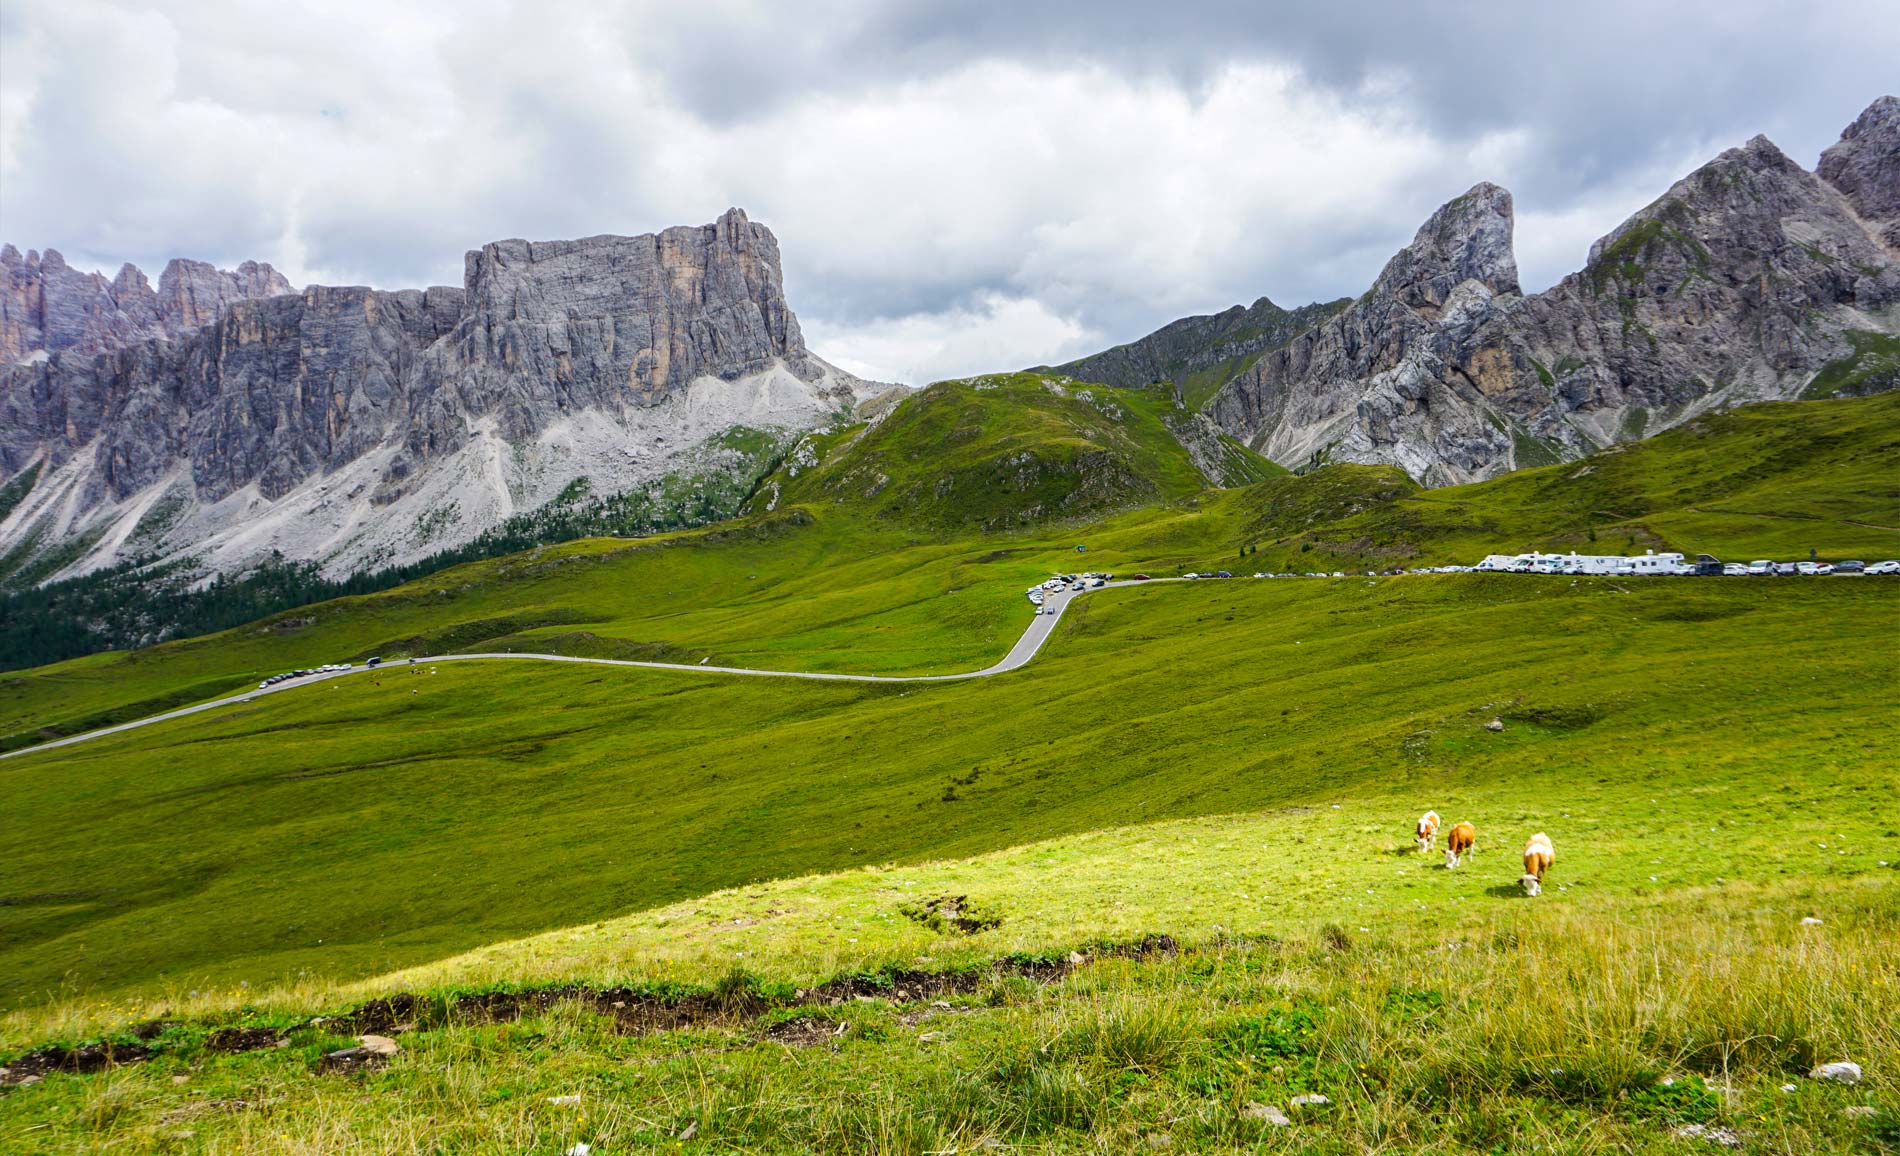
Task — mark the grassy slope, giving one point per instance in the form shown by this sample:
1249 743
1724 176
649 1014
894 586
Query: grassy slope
1530 1028
1710 758
1003 452
879 594
860 590
362 826
1763 481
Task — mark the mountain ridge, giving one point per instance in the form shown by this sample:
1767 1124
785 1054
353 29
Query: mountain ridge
358 428
1747 280
48 307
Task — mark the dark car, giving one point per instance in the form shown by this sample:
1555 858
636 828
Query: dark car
1139 578
374 662
1223 574
1707 564
1851 566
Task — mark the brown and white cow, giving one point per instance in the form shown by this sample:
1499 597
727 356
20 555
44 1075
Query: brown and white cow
1538 856
1427 831
1461 842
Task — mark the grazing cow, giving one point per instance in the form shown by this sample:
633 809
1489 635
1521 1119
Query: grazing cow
1538 856
1461 842
1427 831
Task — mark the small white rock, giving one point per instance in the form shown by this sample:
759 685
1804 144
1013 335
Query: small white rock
1309 1100
1726 1137
579 1149
564 1101
1839 1072
1809 921
1787 1087
1266 1113
1862 1110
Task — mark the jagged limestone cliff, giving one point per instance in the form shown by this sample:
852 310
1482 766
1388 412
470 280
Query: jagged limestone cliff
357 427
1751 279
48 307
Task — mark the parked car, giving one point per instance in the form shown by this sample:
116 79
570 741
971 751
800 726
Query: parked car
1223 574
1824 568
1761 567
1851 566
1889 567
1805 567
1786 569
1735 569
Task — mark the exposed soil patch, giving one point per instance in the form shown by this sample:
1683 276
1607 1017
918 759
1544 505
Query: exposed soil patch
239 1039
634 1012
85 1058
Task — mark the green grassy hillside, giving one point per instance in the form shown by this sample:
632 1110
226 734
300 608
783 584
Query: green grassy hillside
646 889
999 453
375 822
1763 481
823 586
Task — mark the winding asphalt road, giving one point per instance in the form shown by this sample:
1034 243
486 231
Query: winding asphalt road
1019 655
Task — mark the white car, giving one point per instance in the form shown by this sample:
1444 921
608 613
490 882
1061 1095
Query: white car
1734 569
1889 567
1805 568
1762 567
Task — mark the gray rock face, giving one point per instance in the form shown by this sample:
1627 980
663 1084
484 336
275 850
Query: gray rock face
329 424
1740 284
48 307
1865 166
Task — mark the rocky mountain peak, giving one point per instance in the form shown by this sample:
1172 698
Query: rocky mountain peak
47 307
1865 166
330 424
1467 239
1750 279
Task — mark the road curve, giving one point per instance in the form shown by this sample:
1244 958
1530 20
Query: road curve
1038 631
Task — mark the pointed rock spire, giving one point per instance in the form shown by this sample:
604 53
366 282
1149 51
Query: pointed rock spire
1467 239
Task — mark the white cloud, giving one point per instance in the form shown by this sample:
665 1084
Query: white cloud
999 333
944 188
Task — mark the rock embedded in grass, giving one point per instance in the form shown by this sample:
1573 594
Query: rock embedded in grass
1266 1113
1839 1072
371 1051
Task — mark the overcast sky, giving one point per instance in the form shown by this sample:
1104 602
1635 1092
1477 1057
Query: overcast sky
955 186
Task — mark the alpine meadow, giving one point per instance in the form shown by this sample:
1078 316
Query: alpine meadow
562 712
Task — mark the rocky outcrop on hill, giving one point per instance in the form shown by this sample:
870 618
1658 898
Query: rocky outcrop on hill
1200 354
1865 166
47 306
1751 279
358 427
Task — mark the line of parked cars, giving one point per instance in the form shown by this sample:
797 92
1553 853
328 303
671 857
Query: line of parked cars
1071 582
327 668
1851 566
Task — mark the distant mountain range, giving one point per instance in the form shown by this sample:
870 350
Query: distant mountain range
225 420
222 419
1751 279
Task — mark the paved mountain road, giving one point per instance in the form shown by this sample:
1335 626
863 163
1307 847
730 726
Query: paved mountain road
1019 655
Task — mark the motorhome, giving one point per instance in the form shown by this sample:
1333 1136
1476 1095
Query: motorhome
1652 563
1575 563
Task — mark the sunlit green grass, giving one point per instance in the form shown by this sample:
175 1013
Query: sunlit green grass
374 822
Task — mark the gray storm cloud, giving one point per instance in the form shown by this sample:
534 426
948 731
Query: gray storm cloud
956 187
